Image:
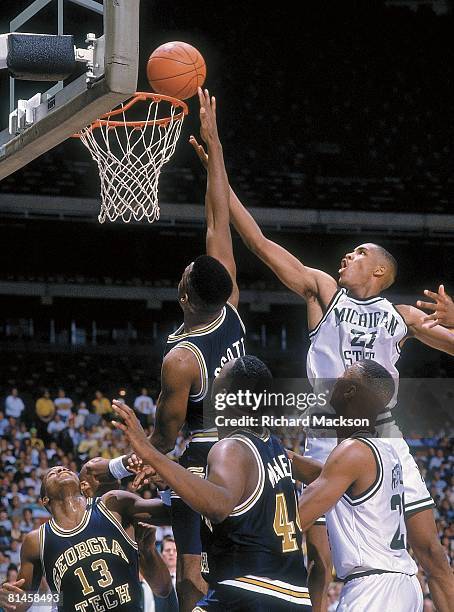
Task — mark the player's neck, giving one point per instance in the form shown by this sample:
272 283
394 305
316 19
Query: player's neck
68 512
364 292
344 433
194 320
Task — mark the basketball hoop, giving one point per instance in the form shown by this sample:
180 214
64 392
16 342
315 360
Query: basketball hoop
130 155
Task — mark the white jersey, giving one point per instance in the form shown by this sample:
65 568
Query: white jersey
353 329
368 532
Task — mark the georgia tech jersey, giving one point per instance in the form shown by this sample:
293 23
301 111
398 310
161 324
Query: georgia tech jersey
213 346
368 532
94 566
258 547
353 329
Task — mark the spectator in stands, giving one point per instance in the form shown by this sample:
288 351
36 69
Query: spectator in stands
63 405
169 554
82 413
56 426
4 565
101 404
92 419
5 539
145 408
15 510
5 522
45 410
333 596
26 523
14 406
14 551
3 423
11 572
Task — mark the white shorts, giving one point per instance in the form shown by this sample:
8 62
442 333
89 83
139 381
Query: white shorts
381 592
417 496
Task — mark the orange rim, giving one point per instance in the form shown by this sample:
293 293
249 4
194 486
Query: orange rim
140 96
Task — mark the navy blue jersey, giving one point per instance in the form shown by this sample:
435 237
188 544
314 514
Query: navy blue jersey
95 566
213 345
258 547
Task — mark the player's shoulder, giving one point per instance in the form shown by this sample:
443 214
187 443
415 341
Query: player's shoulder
351 451
31 545
179 360
228 449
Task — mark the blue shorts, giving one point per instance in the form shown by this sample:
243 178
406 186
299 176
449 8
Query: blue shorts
224 598
186 522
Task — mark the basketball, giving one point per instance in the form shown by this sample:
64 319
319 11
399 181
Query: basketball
176 69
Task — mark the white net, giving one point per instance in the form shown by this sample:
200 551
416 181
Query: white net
130 156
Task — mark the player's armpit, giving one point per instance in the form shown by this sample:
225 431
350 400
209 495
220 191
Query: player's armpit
341 470
437 337
180 374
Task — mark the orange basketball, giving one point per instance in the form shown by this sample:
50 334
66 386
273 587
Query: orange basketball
176 69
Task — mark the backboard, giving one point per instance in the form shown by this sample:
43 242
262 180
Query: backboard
61 111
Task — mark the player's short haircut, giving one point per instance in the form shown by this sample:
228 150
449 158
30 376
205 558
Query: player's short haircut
390 261
377 379
210 282
249 372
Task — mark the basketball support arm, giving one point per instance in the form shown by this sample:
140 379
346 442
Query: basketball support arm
60 116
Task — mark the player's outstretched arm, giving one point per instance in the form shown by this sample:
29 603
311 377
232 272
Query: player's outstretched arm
301 279
29 577
304 469
131 507
215 497
437 337
442 308
342 468
218 237
178 374
306 282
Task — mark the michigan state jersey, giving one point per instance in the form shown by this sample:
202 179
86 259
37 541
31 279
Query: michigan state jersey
213 346
258 547
367 533
94 566
353 329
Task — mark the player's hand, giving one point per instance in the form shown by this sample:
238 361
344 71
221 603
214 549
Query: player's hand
201 153
208 126
134 464
148 476
442 308
9 588
132 428
145 535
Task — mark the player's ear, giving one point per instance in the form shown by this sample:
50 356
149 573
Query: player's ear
45 502
380 270
350 392
85 488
